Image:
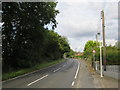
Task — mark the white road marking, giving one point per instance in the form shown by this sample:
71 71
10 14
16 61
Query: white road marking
56 70
76 73
37 80
73 83
77 70
64 65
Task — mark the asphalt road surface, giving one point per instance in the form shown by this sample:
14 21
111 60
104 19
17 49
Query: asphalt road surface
72 73
61 75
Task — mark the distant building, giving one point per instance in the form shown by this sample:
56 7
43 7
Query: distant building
79 54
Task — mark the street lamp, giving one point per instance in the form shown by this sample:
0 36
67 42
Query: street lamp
101 70
103 34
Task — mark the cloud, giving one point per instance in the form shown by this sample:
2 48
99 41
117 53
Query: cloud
1 24
80 21
88 0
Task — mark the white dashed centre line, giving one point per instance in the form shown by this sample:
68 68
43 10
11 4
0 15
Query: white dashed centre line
77 70
37 80
73 83
76 74
56 70
64 65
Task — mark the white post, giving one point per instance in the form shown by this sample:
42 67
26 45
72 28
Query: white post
96 66
101 70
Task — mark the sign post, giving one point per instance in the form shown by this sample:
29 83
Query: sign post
93 51
94 58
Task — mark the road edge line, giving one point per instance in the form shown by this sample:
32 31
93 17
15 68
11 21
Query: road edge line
29 73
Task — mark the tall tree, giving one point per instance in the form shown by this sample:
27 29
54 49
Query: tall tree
23 31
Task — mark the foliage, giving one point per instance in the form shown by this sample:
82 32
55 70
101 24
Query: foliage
112 52
25 35
71 53
89 47
24 71
112 55
56 45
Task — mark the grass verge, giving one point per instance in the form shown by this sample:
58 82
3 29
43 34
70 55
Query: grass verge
10 75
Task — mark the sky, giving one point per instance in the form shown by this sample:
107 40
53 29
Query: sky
80 20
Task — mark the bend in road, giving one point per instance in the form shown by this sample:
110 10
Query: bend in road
58 76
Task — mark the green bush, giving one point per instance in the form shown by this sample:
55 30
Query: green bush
112 53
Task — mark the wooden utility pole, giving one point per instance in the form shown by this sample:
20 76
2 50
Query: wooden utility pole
104 46
96 38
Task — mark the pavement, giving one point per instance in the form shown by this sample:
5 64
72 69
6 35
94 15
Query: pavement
85 78
72 73
102 82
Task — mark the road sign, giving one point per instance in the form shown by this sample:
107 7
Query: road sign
93 51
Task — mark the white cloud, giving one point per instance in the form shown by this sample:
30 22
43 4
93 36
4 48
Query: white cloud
80 21
1 23
111 42
87 0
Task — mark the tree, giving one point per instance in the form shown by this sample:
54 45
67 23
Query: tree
112 52
56 45
89 46
23 32
71 53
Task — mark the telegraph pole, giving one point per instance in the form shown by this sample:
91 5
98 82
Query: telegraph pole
96 40
104 46
101 70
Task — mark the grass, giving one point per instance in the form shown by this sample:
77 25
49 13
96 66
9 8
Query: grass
10 75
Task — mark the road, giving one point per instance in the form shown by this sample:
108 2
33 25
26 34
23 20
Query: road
58 76
66 74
